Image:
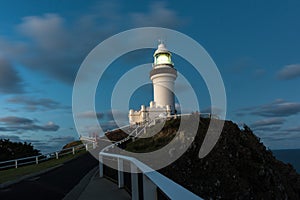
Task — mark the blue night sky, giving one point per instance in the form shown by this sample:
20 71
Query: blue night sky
255 45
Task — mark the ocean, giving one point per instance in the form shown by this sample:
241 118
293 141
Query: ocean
291 156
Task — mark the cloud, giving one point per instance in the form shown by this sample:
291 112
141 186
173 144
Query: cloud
13 138
106 116
62 139
91 114
32 104
212 109
158 15
293 129
47 32
10 81
50 126
268 122
56 45
266 128
13 124
119 115
289 72
16 120
278 108
50 46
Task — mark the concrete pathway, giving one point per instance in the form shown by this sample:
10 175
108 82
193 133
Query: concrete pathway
101 188
93 187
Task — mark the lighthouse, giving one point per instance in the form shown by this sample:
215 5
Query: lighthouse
163 76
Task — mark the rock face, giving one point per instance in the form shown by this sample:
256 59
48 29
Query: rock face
239 167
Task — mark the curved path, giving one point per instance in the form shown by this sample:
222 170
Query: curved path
54 184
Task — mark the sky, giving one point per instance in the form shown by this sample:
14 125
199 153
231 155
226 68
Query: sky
255 45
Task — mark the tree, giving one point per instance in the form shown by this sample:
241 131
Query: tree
12 150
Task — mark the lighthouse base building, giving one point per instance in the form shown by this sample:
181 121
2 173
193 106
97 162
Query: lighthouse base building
163 76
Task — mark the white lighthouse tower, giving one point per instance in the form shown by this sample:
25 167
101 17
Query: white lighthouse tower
163 76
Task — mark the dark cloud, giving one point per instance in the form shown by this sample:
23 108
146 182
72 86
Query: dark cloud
268 122
13 138
281 136
289 72
62 139
31 127
32 104
16 120
57 47
266 128
293 129
3 129
10 81
105 116
15 124
278 108
91 114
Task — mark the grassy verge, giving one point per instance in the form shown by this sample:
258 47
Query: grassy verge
12 174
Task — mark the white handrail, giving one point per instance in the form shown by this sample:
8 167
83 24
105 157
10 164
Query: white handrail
166 185
152 178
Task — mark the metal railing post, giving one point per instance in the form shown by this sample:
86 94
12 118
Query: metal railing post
56 154
120 173
73 151
36 160
134 182
149 189
101 166
16 164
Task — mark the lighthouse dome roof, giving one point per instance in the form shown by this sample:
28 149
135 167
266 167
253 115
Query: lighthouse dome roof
161 49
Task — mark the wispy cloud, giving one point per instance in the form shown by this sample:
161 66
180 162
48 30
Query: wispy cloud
277 108
289 72
63 139
16 120
271 128
268 122
91 114
14 124
34 104
14 138
293 129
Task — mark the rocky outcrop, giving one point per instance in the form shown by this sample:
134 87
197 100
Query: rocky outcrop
239 167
